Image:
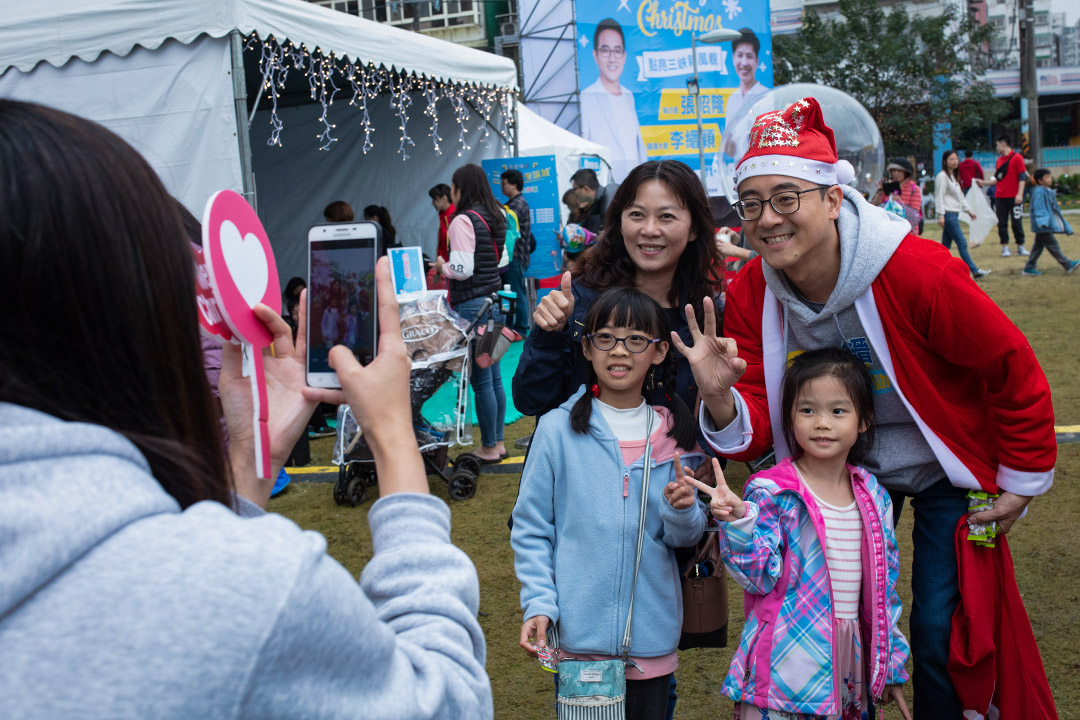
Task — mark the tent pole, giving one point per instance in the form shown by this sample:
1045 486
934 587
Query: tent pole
517 129
240 100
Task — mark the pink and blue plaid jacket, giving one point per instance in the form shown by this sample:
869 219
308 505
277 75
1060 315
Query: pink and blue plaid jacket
786 656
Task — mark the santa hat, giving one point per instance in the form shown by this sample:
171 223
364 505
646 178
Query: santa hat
794 142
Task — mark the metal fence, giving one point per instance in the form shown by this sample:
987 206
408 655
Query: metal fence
1061 156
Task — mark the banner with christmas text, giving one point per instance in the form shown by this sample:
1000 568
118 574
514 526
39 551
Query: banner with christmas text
634 60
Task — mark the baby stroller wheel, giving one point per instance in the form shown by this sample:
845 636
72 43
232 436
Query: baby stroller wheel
351 485
341 484
467 463
462 485
356 492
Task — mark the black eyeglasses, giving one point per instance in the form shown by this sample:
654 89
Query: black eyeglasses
633 343
785 203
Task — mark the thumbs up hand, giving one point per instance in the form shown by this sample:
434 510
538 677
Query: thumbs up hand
725 505
556 308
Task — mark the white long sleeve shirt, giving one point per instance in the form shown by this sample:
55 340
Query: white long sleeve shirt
948 195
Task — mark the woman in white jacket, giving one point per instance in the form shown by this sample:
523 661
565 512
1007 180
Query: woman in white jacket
949 200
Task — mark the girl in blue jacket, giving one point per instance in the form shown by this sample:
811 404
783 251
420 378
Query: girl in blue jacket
576 519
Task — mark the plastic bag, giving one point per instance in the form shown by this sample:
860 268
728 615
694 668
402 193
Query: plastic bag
985 219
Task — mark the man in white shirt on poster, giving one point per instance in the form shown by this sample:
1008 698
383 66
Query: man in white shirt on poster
608 112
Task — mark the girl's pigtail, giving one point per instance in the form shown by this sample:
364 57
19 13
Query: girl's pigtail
581 413
683 426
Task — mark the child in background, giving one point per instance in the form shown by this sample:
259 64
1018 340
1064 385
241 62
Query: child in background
813 546
579 506
1046 219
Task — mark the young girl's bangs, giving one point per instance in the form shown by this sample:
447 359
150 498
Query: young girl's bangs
624 307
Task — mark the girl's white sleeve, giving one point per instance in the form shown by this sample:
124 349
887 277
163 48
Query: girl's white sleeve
462 240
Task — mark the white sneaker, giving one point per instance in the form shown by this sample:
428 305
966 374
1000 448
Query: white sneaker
1022 251
1005 251
981 272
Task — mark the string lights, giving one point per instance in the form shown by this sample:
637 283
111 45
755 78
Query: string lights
468 102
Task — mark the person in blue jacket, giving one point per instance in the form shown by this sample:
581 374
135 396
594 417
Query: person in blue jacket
659 240
577 516
1046 219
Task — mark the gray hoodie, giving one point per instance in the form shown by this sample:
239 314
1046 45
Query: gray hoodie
114 603
900 458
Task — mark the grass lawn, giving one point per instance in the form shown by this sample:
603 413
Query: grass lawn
1044 544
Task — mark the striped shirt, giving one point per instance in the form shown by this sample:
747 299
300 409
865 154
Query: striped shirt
843 555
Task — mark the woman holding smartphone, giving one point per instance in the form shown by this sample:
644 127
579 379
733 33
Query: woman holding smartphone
476 237
141 576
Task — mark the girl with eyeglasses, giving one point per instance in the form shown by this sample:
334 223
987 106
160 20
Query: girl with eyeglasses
575 523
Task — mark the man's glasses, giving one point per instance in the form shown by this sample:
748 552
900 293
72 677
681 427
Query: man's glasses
606 52
784 203
633 343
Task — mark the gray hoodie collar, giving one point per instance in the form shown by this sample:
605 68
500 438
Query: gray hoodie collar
868 237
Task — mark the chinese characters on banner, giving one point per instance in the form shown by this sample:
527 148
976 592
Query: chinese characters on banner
633 63
541 191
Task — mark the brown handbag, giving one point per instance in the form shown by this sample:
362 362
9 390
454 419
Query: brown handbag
705 596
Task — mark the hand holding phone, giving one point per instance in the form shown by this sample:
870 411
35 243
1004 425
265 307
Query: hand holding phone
379 397
342 297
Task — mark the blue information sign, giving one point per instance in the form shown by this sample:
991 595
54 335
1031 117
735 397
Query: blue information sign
541 191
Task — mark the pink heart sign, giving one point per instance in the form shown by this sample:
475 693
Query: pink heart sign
241 265
239 270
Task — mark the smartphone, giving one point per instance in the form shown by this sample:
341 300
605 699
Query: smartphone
889 187
341 305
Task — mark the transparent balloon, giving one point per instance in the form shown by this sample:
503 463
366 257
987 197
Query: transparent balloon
857 137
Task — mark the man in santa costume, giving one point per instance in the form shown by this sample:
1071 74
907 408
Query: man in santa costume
960 400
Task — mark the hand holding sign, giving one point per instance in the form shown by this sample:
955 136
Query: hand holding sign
239 271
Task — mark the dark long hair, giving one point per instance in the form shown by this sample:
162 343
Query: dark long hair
945 164
102 328
630 308
382 216
697 275
472 184
843 365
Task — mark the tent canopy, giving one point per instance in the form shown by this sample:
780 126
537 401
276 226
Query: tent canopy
59 30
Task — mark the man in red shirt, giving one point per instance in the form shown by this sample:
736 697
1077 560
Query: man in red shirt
440 200
1010 178
969 170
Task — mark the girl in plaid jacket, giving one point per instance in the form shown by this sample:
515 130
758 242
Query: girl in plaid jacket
813 546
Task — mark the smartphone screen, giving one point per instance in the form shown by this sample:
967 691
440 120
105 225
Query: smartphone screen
342 308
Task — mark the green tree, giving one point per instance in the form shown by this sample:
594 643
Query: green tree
909 72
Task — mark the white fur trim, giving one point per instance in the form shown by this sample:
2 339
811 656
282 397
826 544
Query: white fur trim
774 360
845 173
794 166
958 473
736 437
1019 482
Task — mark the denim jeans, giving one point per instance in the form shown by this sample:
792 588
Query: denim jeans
486 383
935 594
1046 241
952 232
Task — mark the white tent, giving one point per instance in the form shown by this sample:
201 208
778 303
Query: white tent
538 136
173 76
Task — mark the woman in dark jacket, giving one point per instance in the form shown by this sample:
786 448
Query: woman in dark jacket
660 241
476 237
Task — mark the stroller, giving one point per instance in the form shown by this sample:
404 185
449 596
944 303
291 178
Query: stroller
437 340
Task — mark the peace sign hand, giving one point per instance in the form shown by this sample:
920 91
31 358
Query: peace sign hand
680 494
725 505
714 360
